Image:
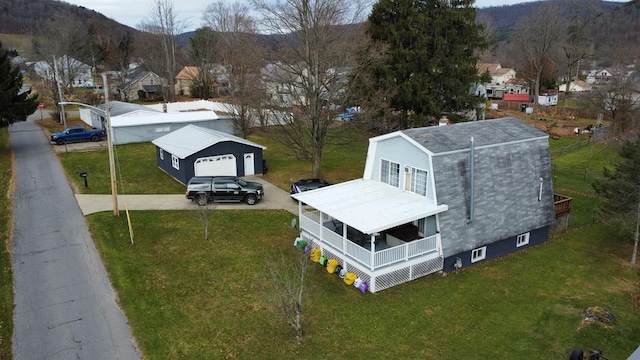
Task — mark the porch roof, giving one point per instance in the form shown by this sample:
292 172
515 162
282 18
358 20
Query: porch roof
369 206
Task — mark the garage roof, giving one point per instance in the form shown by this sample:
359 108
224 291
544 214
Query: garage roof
190 139
368 205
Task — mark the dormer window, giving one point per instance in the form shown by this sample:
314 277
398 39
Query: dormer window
390 173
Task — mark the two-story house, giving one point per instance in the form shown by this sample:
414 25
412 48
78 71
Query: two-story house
435 199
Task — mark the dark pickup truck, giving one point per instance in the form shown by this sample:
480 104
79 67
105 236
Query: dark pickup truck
202 189
77 133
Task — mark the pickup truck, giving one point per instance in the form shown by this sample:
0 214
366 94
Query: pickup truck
77 133
202 189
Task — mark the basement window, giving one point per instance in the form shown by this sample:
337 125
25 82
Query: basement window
522 240
478 254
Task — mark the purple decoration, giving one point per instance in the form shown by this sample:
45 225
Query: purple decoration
307 249
364 287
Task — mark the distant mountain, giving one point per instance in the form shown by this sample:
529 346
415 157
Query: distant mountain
505 18
618 25
27 17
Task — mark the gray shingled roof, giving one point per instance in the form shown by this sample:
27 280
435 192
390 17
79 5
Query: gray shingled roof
440 139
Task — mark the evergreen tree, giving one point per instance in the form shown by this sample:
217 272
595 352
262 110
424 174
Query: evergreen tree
620 192
14 106
432 50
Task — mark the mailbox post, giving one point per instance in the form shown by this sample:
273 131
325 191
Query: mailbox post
84 176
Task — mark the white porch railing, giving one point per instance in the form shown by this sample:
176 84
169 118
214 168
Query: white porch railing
310 223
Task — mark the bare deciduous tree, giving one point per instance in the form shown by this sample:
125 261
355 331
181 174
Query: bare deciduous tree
317 47
285 287
164 23
578 45
537 36
66 40
240 53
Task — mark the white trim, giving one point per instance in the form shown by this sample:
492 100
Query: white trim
478 254
522 239
175 162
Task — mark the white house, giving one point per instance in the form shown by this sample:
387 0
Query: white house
576 86
71 72
435 199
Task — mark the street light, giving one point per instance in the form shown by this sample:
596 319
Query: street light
106 112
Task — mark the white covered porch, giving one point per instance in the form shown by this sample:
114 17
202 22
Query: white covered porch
373 229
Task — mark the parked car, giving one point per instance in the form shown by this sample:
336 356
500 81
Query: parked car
203 189
77 133
307 184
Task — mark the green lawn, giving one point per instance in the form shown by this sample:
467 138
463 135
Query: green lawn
193 298
6 275
190 298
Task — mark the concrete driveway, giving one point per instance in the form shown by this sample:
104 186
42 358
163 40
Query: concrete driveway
275 198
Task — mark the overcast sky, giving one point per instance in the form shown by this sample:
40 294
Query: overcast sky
132 12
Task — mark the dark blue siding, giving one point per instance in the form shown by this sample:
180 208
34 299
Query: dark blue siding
497 249
186 171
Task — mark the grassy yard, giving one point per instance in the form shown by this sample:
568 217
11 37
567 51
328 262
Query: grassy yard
194 298
6 275
137 171
190 298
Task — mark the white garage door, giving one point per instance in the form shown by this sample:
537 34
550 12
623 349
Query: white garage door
216 165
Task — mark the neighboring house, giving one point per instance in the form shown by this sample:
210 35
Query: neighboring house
435 199
576 86
133 123
184 79
600 76
140 82
196 151
71 72
186 76
499 75
284 86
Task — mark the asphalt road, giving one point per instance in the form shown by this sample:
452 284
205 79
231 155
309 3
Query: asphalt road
65 306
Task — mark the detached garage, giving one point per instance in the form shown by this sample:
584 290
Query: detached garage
197 151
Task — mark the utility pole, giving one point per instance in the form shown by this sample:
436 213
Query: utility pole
112 172
60 93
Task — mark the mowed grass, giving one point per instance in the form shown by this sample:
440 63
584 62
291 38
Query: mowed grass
137 170
187 297
6 274
191 298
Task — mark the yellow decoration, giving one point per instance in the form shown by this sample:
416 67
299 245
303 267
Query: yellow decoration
350 278
315 254
331 265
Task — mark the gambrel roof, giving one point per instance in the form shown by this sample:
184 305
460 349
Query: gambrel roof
512 178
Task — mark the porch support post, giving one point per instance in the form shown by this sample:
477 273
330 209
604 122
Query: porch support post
344 238
373 254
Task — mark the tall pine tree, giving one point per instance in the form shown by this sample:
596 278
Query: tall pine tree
432 48
620 192
14 105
